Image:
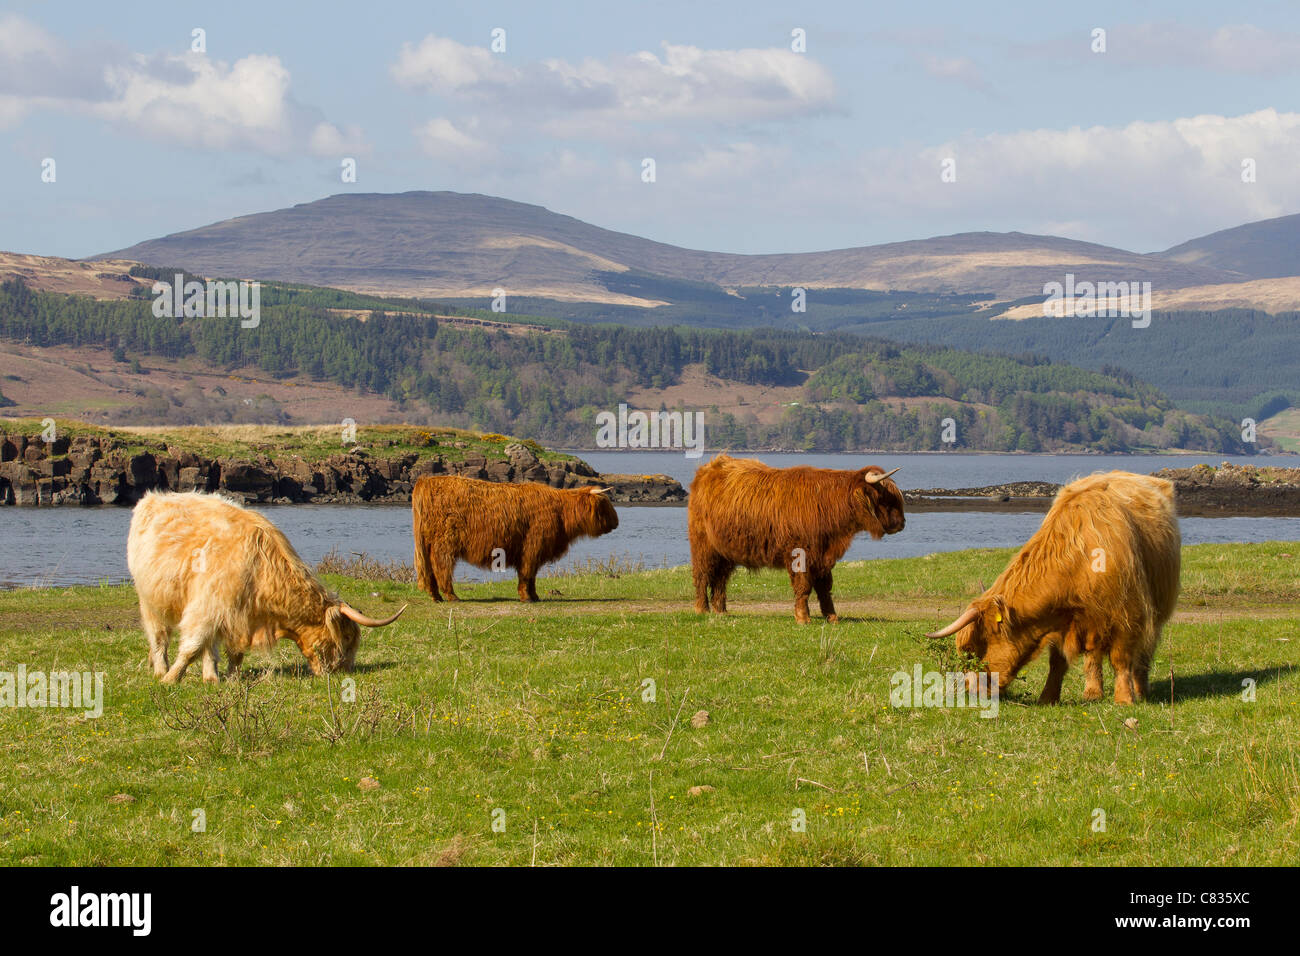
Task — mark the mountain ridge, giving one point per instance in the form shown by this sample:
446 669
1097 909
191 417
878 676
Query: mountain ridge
425 243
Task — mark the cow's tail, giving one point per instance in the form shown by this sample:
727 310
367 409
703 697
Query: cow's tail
423 567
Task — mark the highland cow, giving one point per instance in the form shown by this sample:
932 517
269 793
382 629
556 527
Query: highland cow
1099 578
744 513
496 526
228 577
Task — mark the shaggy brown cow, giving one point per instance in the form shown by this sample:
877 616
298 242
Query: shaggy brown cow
803 519
497 526
228 577
1099 577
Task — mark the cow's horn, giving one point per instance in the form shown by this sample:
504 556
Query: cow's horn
967 616
349 611
873 479
600 491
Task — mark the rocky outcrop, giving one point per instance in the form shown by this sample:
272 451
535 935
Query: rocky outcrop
1200 491
1236 490
90 470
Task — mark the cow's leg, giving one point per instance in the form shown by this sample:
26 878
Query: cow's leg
233 662
801 581
1141 677
157 632
709 572
1094 678
428 575
442 571
822 585
528 585
211 659
1057 665
721 574
1142 666
1123 666
702 576
196 635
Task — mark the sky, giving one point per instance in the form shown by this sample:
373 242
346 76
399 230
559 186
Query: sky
773 127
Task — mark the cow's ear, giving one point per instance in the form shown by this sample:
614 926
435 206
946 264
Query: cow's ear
1001 611
334 620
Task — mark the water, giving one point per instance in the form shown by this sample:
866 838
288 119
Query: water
61 546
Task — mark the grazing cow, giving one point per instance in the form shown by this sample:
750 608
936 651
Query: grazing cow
497 526
1099 577
742 512
226 576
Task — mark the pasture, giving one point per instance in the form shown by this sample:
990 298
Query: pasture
490 732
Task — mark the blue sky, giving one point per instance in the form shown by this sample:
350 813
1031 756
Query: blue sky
757 148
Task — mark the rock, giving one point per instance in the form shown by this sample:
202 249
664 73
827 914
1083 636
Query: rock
696 791
367 784
646 488
121 798
700 719
521 456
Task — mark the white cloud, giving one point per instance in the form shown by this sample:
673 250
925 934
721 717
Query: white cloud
685 83
961 69
440 139
1240 48
22 39
1174 178
191 99
439 65
328 140
215 104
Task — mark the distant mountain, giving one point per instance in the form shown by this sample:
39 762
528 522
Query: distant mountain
1268 249
465 245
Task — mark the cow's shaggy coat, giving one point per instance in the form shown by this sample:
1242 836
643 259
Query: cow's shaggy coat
494 526
1099 578
744 513
225 576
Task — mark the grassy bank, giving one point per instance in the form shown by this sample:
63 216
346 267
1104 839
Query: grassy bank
540 712
312 443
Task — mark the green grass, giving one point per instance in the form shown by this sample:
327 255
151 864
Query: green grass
312 443
538 711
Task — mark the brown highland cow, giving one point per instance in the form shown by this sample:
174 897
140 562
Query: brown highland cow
496 526
803 519
1099 578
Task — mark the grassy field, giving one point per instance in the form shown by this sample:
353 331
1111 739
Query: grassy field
537 719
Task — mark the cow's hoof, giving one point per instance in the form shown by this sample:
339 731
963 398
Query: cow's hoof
1092 695
832 618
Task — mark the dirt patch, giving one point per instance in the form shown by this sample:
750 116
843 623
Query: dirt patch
698 389
86 384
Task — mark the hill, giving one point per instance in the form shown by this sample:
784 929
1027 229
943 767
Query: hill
1268 249
765 389
446 244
